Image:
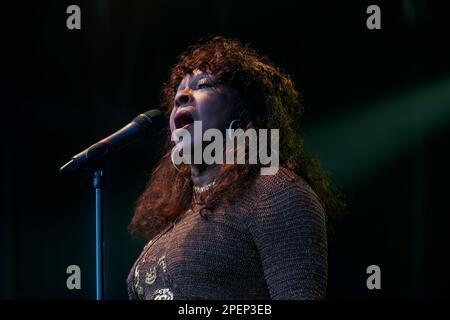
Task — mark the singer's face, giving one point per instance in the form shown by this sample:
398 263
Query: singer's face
200 98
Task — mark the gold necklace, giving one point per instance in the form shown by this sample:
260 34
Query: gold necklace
198 190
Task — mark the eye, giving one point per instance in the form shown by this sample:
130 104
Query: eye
204 83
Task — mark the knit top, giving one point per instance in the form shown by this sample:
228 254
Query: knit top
271 243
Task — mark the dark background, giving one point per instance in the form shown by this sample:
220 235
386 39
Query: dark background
378 117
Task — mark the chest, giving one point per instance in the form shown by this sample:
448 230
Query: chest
195 257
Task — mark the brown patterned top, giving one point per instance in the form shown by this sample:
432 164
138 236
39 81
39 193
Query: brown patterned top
270 244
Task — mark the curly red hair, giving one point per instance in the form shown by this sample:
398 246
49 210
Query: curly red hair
267 98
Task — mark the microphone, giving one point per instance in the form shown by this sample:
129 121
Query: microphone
140 127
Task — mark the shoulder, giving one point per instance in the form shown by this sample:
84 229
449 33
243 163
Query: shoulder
284 187
289 229
282 198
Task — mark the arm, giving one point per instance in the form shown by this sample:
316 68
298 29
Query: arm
289 230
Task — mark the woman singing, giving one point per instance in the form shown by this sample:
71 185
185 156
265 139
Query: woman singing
225 231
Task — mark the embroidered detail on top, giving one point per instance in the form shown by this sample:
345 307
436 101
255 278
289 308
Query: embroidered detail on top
163 294
162 263
138 289
150 276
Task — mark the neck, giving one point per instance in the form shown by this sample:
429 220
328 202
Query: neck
203 175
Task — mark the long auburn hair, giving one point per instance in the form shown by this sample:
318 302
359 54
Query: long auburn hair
267 99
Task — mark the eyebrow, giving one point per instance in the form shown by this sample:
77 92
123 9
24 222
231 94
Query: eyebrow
194 79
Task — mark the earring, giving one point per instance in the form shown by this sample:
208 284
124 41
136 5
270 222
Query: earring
230 128
172 159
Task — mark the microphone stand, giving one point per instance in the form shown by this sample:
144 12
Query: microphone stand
144 123
99 183
147 122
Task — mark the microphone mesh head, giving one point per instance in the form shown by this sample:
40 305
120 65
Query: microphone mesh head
151 120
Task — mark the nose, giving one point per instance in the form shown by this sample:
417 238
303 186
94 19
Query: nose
183 97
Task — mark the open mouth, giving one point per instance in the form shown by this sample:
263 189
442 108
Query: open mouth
183 119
